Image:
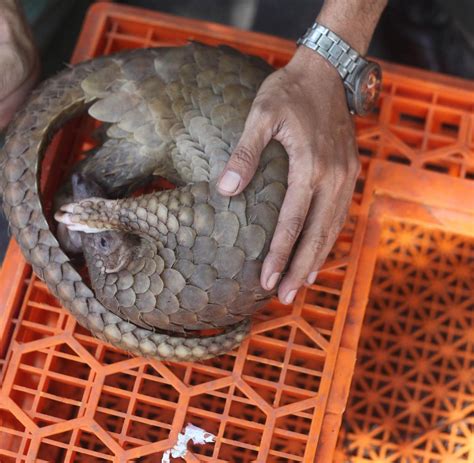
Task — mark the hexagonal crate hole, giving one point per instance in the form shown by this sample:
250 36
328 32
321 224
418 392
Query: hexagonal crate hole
137 406
51 384
14 438
76 445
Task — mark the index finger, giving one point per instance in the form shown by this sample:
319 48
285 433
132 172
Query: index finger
290 223
243 162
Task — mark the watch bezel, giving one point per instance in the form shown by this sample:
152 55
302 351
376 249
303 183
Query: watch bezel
357 102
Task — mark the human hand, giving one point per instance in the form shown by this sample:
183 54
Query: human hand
304 107
19 63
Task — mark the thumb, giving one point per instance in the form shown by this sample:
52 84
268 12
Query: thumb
244 160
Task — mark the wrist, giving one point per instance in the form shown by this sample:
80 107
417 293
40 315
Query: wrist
341 38
352 20
308 63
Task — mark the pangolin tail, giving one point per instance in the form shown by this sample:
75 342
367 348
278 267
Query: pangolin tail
49 107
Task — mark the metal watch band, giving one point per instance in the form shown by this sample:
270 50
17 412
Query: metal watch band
339 53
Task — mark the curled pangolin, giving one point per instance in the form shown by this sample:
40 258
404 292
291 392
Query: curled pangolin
166 265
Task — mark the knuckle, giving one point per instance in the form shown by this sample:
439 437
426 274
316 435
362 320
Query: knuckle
318 241
306 177
279 258
341 171
291 228
262 107
243 158
354 167
300 179
319 172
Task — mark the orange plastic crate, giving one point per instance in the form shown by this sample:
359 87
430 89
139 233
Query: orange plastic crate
66 396
412 397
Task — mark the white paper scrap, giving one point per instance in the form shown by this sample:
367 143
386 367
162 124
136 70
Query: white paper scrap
191 432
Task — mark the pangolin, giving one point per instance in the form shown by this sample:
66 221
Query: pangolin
168 266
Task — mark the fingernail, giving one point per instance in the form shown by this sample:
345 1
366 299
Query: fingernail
290 297
312 278
272 281
230 182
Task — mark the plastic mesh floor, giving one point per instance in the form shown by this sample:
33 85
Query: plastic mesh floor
412 398
66 396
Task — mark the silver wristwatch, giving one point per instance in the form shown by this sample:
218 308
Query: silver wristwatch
362 78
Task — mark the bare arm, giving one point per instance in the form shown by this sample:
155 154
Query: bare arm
19 64
304 107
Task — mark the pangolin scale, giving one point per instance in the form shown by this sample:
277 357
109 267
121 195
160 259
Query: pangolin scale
194 256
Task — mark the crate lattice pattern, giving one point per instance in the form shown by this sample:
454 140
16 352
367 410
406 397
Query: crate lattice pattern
65 376
68 397
412 398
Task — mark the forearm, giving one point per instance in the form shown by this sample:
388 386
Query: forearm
10 14
13 27
8 4
19 62
353 20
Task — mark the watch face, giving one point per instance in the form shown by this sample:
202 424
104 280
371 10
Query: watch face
367 88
